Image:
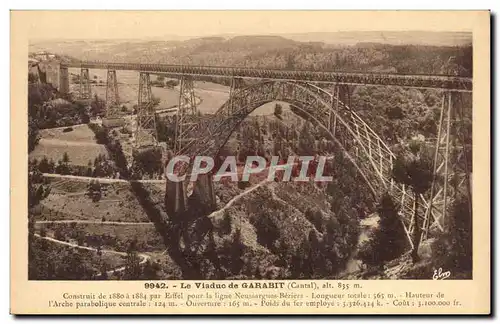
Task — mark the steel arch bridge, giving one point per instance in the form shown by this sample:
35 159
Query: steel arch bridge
330 111
361 145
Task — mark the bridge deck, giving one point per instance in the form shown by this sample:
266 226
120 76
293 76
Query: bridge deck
453 83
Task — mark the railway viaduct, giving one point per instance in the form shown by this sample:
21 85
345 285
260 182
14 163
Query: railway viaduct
324 97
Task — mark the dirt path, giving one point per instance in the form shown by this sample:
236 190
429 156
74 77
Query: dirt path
102 180
56 141
219 212
144 257
244 193
84 221
63 127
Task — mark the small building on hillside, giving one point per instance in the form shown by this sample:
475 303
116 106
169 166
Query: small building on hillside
44 56
97 120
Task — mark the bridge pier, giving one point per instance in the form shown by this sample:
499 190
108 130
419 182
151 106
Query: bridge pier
63 80
146 133
187 112
85 90
201 203
112 98
205 193
175 198
451 168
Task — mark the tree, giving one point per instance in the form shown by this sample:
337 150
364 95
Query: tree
453 249
94 190
36 192
212 255
257 274
52 166
157 83
102 167
65 158
33 78
155 101
44 165
172 83
149 161
150 271
236 252
278 110
389 239
80 237
225 227
395 112
132 265
315 216
414 169
267 231
88 172
301 262
60 168
307 143
461 234
33 134
97 106
59 234
104 271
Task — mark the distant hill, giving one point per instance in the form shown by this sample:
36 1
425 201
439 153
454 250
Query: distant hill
386 37
399 52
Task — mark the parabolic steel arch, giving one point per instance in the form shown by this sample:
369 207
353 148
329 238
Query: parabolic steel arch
361 145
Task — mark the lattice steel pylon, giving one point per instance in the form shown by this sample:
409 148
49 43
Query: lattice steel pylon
146 132
85 91
236 85
340 96
112 97
340 93
452 167
186 114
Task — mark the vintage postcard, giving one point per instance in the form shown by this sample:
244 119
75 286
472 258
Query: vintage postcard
250 162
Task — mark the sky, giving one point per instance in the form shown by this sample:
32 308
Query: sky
166 24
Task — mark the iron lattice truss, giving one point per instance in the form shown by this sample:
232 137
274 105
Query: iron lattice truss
236 85
85 91
452 164
146 133
362 146
178 71
112 97
187 121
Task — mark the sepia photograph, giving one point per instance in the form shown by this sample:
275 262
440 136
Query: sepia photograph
390 112
251 151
